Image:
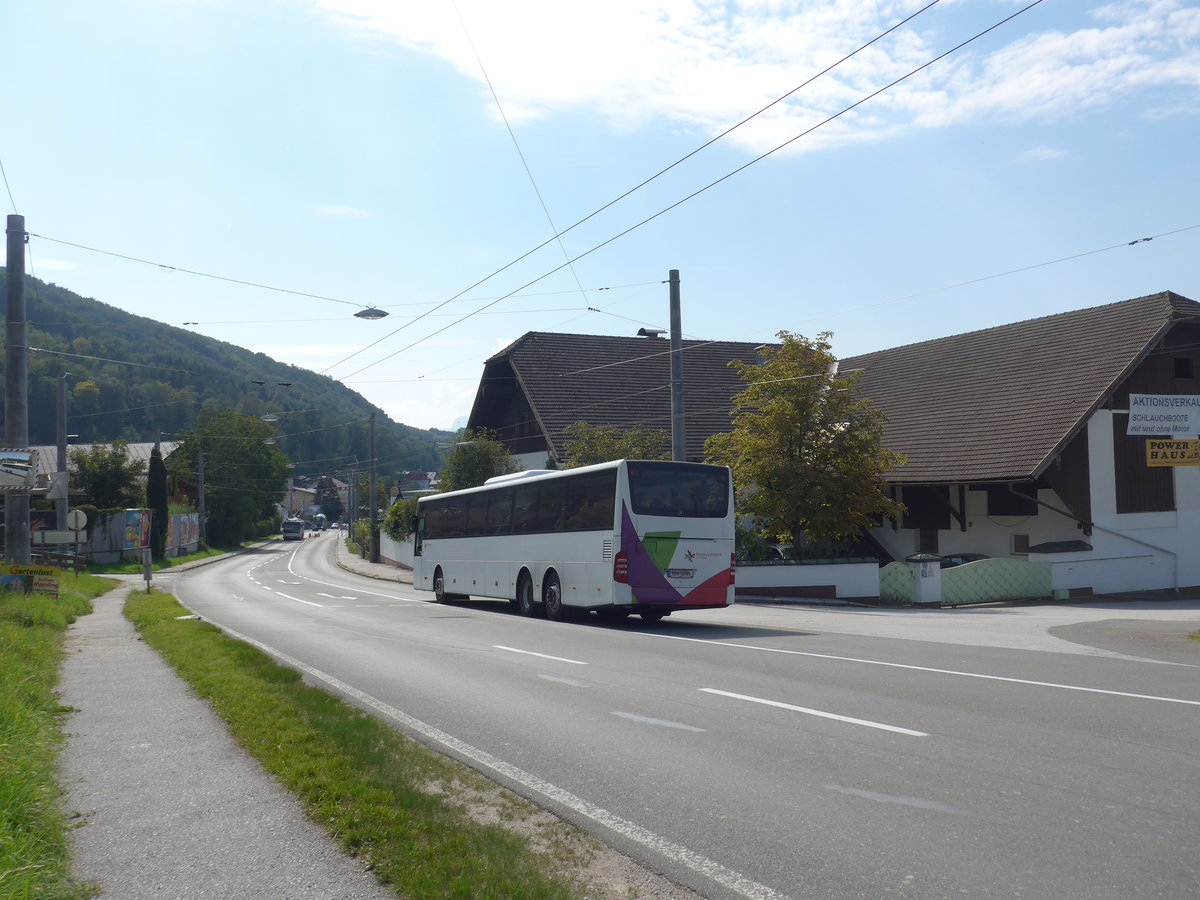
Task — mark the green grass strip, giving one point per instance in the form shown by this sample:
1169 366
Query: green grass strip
372 788
34 851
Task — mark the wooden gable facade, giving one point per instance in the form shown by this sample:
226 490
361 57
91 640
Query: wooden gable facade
542 383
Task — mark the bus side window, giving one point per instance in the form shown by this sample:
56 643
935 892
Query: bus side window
524 509
500 511
476 515
591 501
550 498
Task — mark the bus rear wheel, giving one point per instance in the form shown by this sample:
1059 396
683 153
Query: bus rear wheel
525 602
552 598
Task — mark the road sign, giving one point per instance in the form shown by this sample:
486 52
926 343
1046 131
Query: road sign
77 520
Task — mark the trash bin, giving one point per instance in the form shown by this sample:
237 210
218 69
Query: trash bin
927 578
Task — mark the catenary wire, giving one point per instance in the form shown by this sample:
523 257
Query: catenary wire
694 194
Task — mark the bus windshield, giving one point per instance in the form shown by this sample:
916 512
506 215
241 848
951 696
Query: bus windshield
678 490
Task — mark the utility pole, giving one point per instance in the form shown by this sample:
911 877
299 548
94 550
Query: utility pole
372 505
200 503
678 423
61 436
16 391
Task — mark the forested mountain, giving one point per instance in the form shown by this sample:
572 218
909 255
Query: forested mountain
132 378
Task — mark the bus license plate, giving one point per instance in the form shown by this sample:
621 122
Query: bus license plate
681 573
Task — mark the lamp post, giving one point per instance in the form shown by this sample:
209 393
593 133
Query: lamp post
372 509
16 389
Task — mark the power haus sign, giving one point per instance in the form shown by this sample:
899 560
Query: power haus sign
1174 421
1172 453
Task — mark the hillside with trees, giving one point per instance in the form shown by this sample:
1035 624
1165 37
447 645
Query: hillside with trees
132 378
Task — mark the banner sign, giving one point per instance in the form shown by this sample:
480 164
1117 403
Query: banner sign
1168 414
1173 453
30 579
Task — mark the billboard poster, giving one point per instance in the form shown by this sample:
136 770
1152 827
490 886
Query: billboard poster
137 529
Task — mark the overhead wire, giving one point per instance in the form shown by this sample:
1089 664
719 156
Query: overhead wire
1050 262
631 191
8 189
693 194
517 146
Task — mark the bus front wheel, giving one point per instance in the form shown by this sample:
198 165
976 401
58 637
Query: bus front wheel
525 603
552 598
439 587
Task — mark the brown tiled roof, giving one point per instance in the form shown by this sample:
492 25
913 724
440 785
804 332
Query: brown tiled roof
606 380
47 455
999 404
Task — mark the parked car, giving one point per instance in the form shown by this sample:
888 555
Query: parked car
958 559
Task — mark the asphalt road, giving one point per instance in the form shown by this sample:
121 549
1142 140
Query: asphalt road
783 751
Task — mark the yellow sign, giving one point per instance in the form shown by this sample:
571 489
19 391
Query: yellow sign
1172 453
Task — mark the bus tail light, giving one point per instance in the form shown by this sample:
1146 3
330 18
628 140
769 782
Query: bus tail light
621 568
732 567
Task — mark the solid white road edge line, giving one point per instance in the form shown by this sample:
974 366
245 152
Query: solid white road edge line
702 865
816 712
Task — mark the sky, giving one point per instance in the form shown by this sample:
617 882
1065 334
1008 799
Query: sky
259 170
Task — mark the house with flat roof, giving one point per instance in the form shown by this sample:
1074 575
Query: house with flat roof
1017 438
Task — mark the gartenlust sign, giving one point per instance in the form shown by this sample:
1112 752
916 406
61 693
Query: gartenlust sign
1157 414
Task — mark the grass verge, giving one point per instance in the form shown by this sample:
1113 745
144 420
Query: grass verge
386 798
133 567
34 860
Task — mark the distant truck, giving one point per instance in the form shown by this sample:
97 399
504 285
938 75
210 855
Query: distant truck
293 530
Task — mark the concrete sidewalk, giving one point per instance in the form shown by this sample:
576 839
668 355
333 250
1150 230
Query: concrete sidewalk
169 805
352 562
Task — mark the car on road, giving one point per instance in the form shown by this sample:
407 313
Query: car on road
950 560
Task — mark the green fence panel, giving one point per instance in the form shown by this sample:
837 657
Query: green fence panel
993 580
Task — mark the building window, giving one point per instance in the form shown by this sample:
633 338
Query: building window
1185 367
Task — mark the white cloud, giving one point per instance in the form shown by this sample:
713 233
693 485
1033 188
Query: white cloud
709 63
1041 154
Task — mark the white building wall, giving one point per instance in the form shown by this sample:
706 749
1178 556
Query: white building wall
529 461
1130 552
1134 551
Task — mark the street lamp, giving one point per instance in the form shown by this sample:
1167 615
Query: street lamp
371 313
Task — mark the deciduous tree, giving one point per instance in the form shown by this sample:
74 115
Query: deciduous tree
243 477
107 474
806 446
478 456
588 444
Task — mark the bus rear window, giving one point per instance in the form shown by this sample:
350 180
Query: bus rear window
679 490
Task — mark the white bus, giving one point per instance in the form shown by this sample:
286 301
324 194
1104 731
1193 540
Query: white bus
293 530
621 537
